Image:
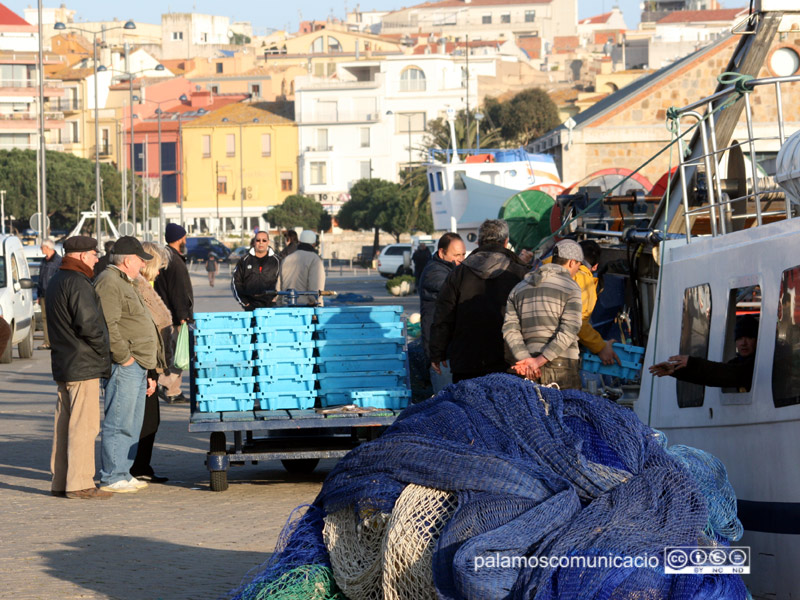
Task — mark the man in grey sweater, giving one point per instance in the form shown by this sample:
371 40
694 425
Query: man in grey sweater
543 317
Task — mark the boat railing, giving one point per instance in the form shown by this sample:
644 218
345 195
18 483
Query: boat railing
747 193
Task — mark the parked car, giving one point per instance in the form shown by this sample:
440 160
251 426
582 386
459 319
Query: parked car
391 260
238 254
16 297
198 248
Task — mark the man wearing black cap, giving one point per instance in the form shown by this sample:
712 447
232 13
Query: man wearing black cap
175 288
135 344
79 359
736 373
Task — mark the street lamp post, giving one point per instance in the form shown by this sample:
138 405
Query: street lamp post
241 167
97 69
160 184
479 118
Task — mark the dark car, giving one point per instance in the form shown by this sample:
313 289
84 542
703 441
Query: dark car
198 248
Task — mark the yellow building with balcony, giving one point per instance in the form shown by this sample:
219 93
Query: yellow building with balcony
238 161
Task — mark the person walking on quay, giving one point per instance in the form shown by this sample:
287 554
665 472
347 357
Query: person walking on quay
467 326
135 346
80 358
303 270
141 468
449 254
212 268
420 258
543 317
48 268
291 244
174 286
257 275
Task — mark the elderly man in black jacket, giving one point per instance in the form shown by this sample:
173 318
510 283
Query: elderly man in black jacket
449 254
80 357
467 327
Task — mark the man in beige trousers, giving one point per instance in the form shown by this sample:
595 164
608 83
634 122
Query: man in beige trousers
80 357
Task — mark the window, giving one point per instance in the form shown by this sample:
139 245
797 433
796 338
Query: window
219 67
3 282
215 89
366 169
138 157
397 250
505 18
318 173
322 140
439 180
206 146
318 45
486 19
105 147
410 122
230 144
222 184
412 80
177 36
74 132
334 45
266 144
365 137
530 16
286 181
786 364
695 329
431 184
168 156
458 180
741 301
169 183
255 90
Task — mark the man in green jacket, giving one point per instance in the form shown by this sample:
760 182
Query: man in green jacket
134 341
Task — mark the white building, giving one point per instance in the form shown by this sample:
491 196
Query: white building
371 120
589 27
697 25
186 34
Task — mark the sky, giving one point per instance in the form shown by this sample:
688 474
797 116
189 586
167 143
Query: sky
272 14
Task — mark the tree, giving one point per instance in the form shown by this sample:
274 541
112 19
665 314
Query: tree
298 210
528 115
438 135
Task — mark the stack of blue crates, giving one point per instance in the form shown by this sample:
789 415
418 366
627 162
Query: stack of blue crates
285 357
361 356
223 362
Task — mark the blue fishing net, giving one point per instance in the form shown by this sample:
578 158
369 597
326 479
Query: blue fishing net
538 473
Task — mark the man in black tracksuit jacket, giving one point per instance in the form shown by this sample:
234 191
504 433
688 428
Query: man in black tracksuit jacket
256 274
471 306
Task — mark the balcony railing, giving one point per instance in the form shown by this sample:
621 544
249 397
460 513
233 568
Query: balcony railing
341 117
66 104
319 148
30 146
31 116
104 150
32 82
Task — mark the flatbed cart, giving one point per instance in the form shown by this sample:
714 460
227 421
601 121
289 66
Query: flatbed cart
298 438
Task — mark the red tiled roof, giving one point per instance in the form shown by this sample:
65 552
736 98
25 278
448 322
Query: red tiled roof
596 19
703 16
433 48
9 17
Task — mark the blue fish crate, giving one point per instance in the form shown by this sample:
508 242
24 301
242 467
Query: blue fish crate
348 364
630 356
361 380
233 337
359 347
297 350
224 386
225 402
284 335
298 383
394 399
285 368
283 317
223 370
360 331
286 400
223 354
221 321
358 314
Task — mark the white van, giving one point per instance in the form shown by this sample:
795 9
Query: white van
16 297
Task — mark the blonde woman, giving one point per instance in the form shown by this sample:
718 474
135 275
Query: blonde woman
162 317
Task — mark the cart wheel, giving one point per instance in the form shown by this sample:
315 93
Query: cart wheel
219 481
300 466
217 442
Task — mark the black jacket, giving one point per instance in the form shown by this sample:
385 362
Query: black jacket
420 259
736 373
175 288
430 282
77 329
252 278
47 269
467 327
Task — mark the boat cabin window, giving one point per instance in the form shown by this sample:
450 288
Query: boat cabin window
786 364
695 329
430 182
458 180
741 302
439 180
490 176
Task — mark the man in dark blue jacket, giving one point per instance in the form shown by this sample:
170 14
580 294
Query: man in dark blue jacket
48 268
449 254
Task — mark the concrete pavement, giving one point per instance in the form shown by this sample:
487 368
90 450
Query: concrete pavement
172 541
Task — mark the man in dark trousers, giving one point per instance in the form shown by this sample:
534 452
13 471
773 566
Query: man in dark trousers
48 268
256 275
175 288
420 258
291 244
80 357
449 254
467 327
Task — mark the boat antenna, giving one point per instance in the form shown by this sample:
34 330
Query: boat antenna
451 120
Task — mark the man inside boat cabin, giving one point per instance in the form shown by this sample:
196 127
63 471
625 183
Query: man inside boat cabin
736 373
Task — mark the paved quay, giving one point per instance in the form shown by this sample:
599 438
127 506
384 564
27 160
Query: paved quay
172 541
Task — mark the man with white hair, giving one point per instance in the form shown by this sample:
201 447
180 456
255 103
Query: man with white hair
48 268
303 271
